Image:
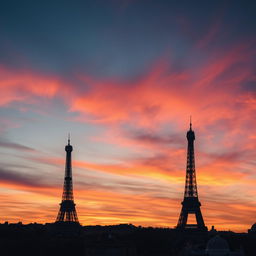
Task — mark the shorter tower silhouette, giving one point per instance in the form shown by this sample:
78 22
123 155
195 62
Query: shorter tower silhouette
67 212
191 204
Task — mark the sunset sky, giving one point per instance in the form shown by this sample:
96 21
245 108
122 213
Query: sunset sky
123 77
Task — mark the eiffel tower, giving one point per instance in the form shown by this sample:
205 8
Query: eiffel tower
67 212
191 204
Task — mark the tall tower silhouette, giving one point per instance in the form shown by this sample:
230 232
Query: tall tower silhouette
67 212
191 204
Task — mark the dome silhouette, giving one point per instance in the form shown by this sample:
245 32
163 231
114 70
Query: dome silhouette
217 246
253 228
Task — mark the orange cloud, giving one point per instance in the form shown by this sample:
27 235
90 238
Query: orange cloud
102 207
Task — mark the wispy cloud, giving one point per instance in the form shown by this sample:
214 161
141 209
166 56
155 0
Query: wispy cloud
24 179
15 146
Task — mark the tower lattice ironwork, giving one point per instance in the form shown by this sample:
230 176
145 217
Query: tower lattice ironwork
67 212
191 204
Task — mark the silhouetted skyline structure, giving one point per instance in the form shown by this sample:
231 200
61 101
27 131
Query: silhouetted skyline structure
122 240
67 212
191 204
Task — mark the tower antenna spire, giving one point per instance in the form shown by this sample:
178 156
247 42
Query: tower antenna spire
190 123
69 138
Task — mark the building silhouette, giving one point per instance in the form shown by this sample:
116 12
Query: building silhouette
67 212
190 203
